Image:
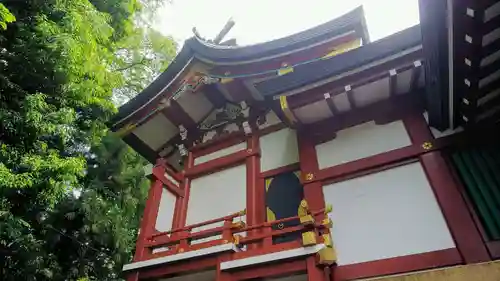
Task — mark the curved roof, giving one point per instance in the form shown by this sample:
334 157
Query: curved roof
218 54
352 21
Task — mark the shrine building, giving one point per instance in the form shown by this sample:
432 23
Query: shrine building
325 156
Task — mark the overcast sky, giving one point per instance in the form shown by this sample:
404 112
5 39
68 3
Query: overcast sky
263 20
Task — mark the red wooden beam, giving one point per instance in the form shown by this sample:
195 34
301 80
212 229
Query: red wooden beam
271 270
255 200
461 225
172 187
280 170
186 186
313 190
397 265
149 217
417 128
184 267
219 163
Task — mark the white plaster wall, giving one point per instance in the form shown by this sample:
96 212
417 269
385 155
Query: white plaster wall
168 176
387 214
278 149
220 153
165 211
216 195
362 141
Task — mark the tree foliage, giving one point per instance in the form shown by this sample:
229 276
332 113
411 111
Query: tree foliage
71 193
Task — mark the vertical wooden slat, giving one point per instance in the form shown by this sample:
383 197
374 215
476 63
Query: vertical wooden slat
473 191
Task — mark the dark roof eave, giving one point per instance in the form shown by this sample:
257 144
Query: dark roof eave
323 69
353 20
151 91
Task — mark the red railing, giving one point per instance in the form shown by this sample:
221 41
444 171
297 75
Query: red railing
180 240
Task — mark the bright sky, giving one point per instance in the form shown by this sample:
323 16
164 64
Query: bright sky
263 20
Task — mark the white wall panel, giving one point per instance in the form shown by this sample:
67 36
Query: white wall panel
168 176
216 195
362 141
387 214
165 211
220 153
278 149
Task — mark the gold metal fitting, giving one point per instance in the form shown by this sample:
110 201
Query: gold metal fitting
327 240
249 151
309 238
236 239
427 145
328 208
309 176
238 224
326 256
327 222
181 250
306 220
225 241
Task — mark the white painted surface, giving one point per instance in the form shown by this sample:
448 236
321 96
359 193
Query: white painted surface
387 214
156 131
168 176
182 256
372 92
165 211
362 141
271 119
287 254
216 195
220 153
196 106
278 149
342 102
403 81
313 112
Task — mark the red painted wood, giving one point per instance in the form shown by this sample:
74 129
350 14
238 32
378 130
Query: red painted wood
270 270
313 191
417 128
397 265
369 171
280 170
220 163
494 249
172 187
186 185
460 222
314 273
218 144
133 276
254 200
148 219
183 267
368 163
